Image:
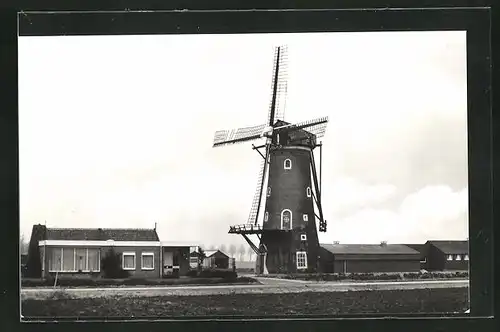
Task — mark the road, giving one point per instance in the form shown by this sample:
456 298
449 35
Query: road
269 285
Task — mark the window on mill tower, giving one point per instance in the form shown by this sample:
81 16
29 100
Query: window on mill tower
287 164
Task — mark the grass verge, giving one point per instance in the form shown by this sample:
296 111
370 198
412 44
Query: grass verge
26 283
372 276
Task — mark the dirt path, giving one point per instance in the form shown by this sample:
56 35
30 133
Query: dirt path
274 286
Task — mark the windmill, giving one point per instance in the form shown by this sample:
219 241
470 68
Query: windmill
288 236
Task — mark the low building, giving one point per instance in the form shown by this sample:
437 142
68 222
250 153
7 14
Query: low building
422 249
216 259
368 258
78 252
447 255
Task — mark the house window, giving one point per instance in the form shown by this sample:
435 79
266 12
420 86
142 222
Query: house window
266 216
286 219
305 217
55 259
288 164
129 260
74 260
148 261
450 257
308 191
301 260
81 259
268 191
458 258
303 237
466 257
68 259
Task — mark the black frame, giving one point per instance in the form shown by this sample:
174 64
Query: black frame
477 22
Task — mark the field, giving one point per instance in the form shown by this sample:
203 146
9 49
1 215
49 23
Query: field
438 300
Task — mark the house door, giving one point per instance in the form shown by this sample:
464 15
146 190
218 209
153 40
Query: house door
168 263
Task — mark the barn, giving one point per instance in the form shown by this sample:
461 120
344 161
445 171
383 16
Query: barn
422 249
368 258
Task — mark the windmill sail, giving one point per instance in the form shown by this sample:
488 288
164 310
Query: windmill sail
225 137
257 199
316 126
279 85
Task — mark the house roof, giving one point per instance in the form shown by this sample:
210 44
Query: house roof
451 247
367 249
102 234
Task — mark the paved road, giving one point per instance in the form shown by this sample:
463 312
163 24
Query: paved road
269 285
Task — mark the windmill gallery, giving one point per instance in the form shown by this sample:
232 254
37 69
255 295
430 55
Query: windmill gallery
287 234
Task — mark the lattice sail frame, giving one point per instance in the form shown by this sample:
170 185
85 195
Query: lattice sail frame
281 61
257 202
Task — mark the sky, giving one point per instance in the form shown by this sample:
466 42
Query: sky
117 131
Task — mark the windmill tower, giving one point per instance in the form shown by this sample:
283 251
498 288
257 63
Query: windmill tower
287 234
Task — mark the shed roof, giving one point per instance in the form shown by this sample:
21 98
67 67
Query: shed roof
209 253
451 247
367 249
102 234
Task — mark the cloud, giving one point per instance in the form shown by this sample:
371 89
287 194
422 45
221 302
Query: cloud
433 212
347 194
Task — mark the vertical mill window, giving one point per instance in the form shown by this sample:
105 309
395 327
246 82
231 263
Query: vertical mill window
287 164
268 191
305 217
308 191
286 219
266 216
301 260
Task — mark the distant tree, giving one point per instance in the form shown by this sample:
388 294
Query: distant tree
111 265
201 257
232 250
242 251
222 248
23 245
250 253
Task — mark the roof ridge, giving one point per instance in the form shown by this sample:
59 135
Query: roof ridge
88 228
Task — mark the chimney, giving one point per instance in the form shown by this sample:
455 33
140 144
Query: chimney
155 225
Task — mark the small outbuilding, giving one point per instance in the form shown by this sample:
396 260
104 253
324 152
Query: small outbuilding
368 258
216 259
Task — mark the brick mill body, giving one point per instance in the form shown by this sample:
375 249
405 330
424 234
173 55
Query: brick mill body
287 201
